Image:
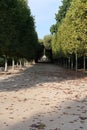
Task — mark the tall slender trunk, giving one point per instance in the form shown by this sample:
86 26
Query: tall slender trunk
69 63
6 64
76 61
20 64
17 64
13 64
84 63
66 63
24 63
72 64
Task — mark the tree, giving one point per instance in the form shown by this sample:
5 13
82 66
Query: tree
39 51
18 37
47 41
53 29
72 32
63 10
60 15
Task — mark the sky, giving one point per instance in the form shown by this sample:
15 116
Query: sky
44 13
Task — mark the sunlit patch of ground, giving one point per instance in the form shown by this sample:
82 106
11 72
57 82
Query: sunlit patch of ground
43 97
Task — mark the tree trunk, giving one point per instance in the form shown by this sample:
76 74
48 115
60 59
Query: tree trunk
13 64
6 64
17 65
76 62
20 64
66 63
69 63
84 63
24 63
72 64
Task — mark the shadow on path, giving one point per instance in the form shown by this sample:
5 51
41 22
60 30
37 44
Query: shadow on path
70 115
38 74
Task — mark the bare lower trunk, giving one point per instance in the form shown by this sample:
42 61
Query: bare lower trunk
66 63
76 62
24 63
13 64
72 64
20 64
6 65
84 64
69 62
17 65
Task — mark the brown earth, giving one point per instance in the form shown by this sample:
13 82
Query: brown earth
43 97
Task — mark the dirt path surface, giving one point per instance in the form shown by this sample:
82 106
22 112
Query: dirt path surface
43 97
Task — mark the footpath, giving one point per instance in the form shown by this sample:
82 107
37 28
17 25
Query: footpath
43 97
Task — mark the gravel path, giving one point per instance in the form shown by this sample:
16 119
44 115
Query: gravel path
43 97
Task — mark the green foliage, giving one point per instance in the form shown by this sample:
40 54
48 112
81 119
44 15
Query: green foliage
1 61
63 10
53 29
60 15
40 50
72 31
47 41
18 37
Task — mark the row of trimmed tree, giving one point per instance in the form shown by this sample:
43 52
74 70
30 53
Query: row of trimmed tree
18 37
69 44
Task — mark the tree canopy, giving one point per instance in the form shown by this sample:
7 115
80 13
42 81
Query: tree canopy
71 35
18 36
60 15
